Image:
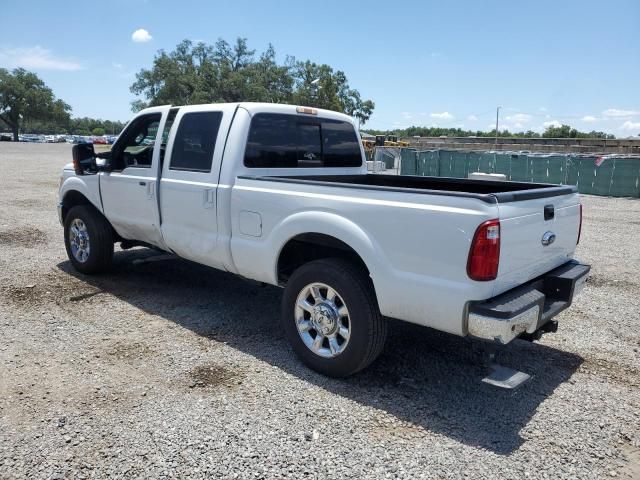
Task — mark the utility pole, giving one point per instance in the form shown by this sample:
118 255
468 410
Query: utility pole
497 119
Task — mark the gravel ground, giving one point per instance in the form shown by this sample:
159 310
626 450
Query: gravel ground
169 369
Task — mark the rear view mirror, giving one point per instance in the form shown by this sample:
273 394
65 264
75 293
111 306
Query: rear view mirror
84 158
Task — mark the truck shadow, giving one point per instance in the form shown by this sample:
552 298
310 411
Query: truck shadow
424 377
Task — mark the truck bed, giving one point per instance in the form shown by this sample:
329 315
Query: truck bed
486 190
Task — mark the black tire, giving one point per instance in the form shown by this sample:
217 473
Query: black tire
368 329
100 233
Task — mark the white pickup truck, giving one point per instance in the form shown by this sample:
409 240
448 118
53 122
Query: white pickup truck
280 194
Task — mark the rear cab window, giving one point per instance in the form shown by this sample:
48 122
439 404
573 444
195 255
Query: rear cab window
291 141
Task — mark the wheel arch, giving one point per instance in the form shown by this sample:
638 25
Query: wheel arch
72 196
75 191
71 199
313 235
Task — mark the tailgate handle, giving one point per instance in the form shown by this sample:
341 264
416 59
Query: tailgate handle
549 212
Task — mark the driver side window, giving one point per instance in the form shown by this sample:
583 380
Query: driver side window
135 146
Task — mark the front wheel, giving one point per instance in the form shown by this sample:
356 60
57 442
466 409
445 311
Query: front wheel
88 239
331 317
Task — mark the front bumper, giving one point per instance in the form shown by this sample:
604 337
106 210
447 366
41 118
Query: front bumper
60 213
527 309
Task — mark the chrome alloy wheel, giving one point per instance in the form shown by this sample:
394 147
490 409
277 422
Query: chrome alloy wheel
79 240
323 320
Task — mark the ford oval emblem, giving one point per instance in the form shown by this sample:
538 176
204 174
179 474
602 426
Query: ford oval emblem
548 238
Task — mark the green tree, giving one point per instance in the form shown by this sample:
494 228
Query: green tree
203 73
98 131
319 86
24 97
565 131
562 131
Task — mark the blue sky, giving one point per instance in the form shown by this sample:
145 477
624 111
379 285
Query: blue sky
423 63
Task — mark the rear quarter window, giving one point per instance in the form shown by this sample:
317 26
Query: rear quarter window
195 141
293 141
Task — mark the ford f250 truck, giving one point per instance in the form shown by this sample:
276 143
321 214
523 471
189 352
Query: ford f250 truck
281 195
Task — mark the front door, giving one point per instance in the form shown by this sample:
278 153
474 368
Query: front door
129 190
189 182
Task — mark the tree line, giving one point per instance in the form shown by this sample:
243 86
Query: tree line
562 131
74 126
27 105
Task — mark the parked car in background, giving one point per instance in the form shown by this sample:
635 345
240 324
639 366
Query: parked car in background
32 138
79 139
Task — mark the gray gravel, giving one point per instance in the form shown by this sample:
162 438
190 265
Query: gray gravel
171 370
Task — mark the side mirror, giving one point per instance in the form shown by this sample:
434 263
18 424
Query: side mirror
84 158
103 161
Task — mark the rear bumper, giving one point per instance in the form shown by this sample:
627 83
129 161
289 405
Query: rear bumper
529 308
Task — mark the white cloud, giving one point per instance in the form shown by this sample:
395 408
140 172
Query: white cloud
520 117
472 118
617 113
35 58
442 116
589 119
141 36
552 123
406 115
629 125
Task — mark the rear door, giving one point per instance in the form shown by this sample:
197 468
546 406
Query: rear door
189 182
536 235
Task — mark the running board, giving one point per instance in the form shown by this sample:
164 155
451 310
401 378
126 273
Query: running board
505 377
155 258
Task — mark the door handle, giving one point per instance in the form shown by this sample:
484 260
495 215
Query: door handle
142 184
209 197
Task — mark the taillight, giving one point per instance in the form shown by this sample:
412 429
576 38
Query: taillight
579 226
484 255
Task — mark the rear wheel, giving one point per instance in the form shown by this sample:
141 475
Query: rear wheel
331 317
88 239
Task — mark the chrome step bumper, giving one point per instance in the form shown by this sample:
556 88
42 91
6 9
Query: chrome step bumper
527 309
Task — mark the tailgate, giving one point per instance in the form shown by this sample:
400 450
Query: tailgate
536 235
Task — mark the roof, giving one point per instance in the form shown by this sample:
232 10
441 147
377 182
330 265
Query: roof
256 107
